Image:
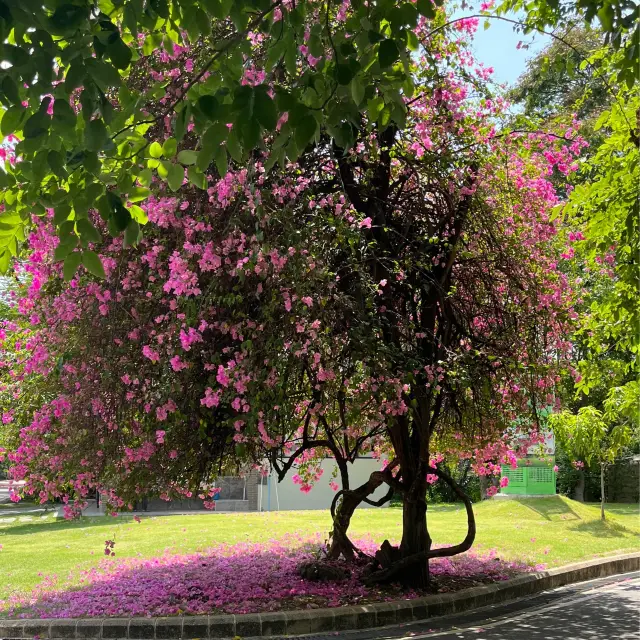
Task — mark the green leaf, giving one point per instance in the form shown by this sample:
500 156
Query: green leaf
220 158
131 234
145 177
249 133
187 157
67 18
357 90
92 263
119 53
211 141
426 8
87 231
155 150
181 122
344 74
233 146
138 214
56 162
265 110
96 135
130 19
37 125
209 106
5 260
11 119
304 131
163 169
63 115
61 213
175 177
10 90
170 147
137 194
119 219
75 75
388 53
71 264
102 73
197 178
62 251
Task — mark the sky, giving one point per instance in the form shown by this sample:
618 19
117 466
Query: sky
496 47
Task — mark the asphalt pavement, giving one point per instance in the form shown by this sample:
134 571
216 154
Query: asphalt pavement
604 609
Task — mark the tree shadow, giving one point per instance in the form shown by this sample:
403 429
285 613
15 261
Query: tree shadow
622 509
604 616
607 529
50 526
551 508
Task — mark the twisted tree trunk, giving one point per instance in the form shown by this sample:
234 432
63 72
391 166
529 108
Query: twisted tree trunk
411 568
343 507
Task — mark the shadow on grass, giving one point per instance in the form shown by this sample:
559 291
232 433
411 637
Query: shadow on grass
50 526
607 529
551 508
622 509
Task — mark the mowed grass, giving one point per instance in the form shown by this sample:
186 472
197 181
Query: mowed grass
553 531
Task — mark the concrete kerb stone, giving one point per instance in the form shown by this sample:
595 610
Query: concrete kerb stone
295 623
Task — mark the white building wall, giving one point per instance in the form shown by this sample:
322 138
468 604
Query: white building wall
286 496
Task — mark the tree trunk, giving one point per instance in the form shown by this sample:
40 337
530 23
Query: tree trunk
413 569
415 540
578 492
602 493
340 543
343 512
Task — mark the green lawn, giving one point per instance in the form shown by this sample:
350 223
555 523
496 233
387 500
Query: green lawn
554 531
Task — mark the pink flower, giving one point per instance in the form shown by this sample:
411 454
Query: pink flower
177 364
504 481
160 437
365 224
308 301
148 352
173 454
222 376
211 398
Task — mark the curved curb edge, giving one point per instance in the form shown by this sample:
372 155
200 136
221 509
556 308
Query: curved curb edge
295 623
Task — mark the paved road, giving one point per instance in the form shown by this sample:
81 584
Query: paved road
606 609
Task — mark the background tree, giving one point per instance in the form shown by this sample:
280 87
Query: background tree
591 435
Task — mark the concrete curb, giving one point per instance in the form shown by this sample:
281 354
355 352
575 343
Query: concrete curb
295 623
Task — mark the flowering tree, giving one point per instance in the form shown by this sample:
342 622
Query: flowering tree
343 255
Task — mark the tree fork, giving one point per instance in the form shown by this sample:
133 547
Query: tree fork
342 513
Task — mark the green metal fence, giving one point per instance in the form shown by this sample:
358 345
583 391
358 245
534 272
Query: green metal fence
532 480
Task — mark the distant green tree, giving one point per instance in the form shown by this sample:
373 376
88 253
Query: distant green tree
591 435
553 82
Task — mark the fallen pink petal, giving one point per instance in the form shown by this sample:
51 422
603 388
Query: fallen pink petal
233 578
